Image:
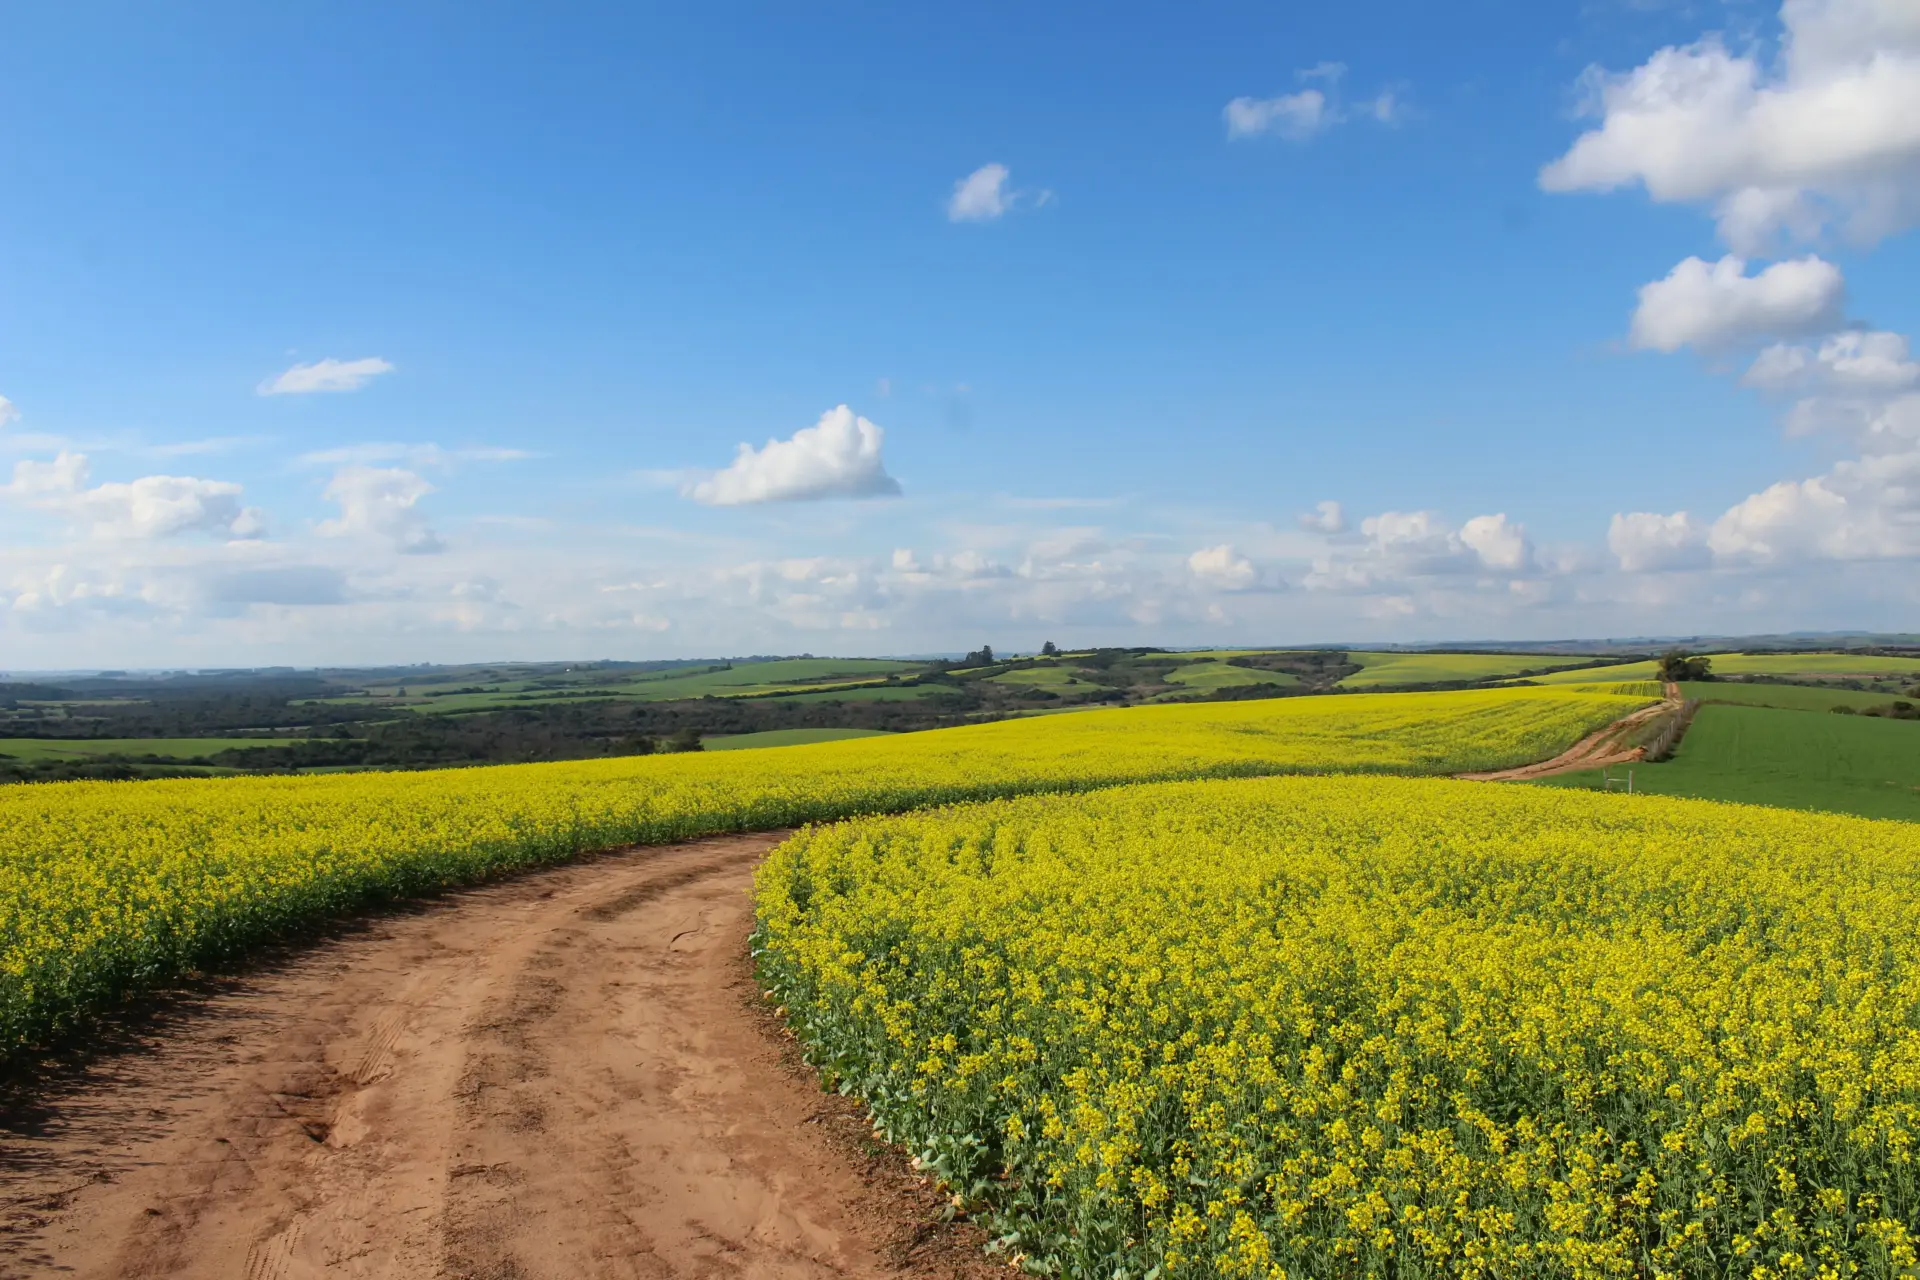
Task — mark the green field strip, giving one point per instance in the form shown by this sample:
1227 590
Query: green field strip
1053 679
1214 674
1861 765
1830 665
172 748
869 693
1648 670
1788 697
1433 668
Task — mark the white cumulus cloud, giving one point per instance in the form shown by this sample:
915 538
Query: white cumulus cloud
146 508
837 457
1222 567
381 502
325 375
1855 361
1644 541
1398 546
1500 543
8 412
1715 305
1827 131
1863 509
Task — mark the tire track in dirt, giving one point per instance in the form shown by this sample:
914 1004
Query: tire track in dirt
566 1074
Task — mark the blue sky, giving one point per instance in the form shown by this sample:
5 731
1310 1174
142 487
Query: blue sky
350 334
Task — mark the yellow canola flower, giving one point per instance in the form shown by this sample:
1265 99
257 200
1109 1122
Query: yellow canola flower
1366 1026
106 887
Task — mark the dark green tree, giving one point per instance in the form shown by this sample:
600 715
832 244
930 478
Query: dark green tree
1677 665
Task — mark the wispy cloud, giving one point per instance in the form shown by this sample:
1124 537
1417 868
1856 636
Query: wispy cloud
1312 110
987 193
200 448
981 195
325 375
418 455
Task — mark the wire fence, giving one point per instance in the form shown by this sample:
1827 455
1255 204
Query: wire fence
1663 744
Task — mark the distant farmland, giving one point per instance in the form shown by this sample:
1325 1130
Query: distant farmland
1436 668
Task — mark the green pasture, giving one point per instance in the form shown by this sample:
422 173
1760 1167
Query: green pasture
1054 679
868 693
1833 666
785 738
1431 668
170 748
1600 675
1789 759
1788 697
777 675
1830 666
1206 676
781 671
780 675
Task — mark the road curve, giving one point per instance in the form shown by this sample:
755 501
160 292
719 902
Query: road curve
1610 745
560 1075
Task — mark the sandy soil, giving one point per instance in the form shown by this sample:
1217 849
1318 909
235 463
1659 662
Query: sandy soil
562 1075
1602 747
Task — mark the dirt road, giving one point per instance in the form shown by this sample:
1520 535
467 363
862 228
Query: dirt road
1606 746
562 1075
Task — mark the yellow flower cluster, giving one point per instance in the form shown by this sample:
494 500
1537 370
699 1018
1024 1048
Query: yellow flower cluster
1378 1027
105 887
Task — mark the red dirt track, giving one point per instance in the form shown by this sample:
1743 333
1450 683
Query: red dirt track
561 1075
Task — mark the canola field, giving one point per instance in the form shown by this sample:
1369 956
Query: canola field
106 888
1377 1027
1424 668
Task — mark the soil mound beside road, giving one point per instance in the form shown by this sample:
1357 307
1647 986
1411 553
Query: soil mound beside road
567 1074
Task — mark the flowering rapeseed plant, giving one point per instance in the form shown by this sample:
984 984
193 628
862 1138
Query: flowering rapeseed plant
1378 1027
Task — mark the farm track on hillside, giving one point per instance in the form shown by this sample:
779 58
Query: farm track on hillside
565 1074
1602 747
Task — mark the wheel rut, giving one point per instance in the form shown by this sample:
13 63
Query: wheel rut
565 1074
